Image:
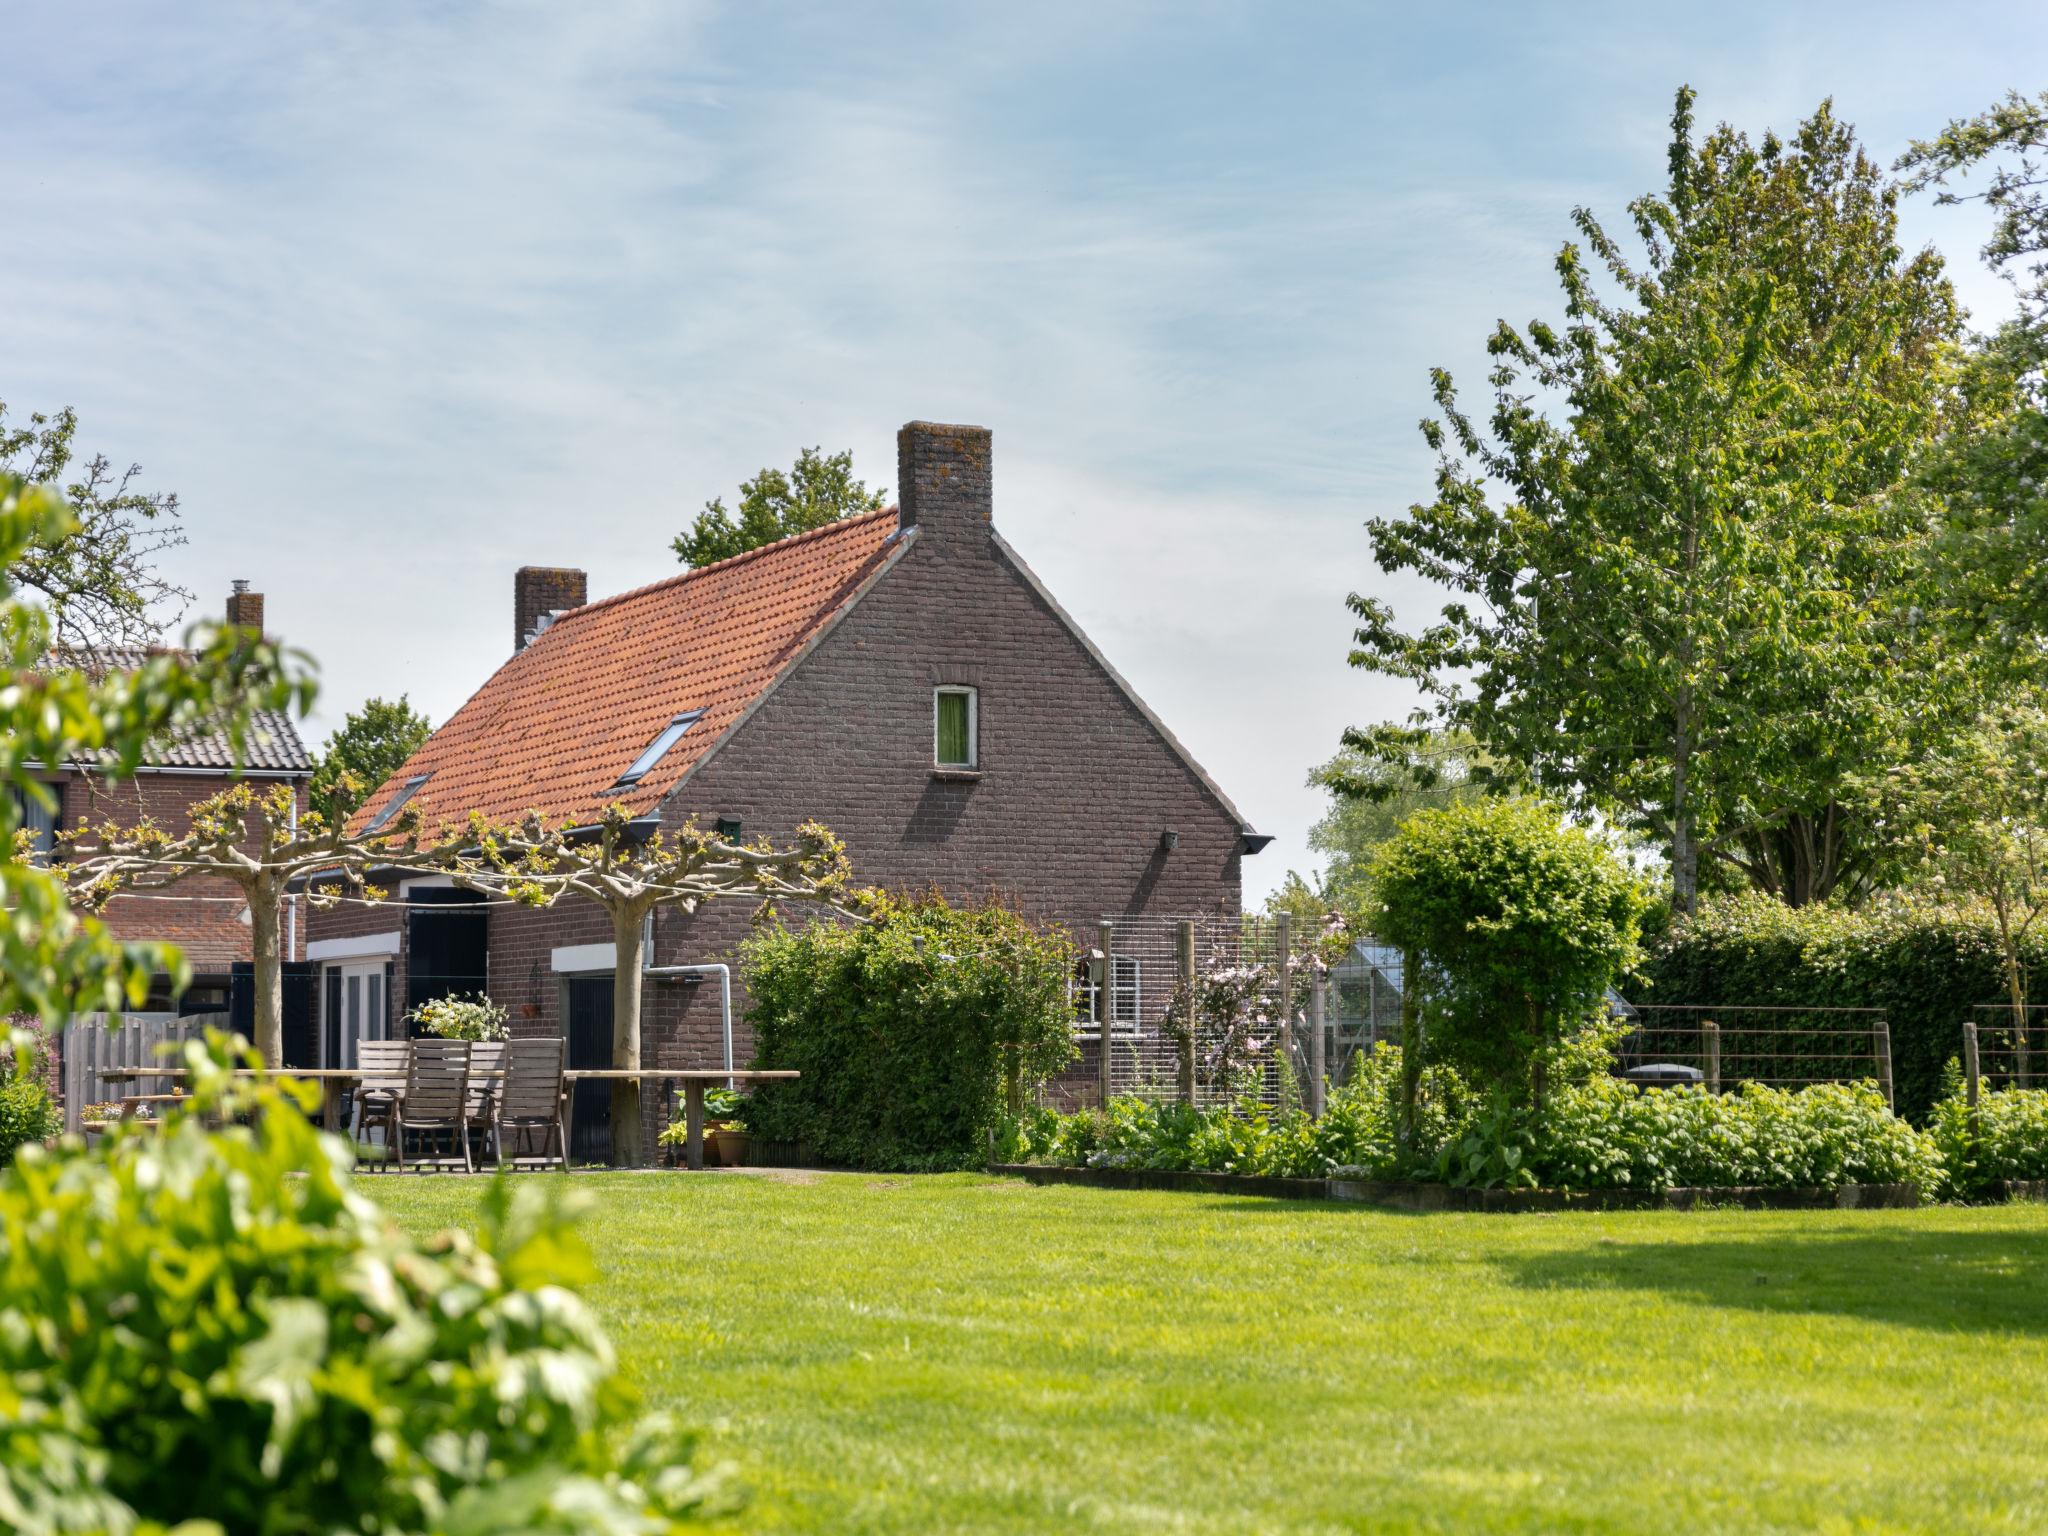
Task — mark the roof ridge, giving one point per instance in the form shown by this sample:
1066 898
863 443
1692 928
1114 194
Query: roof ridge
759 551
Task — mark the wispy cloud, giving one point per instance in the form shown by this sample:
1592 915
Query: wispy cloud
402 297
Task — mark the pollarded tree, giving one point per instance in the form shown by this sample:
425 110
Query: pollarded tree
1683 602
53 962
258 841
537 863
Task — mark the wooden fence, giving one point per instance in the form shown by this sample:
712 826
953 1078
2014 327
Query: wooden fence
87 1047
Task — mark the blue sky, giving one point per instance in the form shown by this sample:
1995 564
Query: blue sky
401 297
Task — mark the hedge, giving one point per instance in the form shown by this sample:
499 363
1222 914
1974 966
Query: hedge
904 1029
1926 965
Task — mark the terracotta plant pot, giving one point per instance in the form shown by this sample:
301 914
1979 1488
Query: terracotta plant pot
733 1147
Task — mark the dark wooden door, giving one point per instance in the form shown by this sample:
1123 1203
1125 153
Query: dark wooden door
590 1049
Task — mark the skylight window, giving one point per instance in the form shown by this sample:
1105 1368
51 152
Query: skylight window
396 803
657 748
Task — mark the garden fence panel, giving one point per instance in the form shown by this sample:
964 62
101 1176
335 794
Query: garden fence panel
1778 1047
2011 1053
88 1047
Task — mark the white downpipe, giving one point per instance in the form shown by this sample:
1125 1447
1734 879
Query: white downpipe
724 974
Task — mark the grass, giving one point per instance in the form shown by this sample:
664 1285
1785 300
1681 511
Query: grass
967 1354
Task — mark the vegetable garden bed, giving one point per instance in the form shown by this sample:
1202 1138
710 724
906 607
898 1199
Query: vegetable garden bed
1442 1197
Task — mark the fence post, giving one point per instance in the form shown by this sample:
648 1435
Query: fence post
1972 1081
1186 1065
1882 1040
1318 1047
1711 1042
1283 938
1105 1008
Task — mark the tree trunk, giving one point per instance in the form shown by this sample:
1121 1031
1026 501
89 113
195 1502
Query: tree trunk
629 941
268 978
1685 853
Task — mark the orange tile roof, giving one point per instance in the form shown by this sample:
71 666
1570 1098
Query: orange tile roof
557 724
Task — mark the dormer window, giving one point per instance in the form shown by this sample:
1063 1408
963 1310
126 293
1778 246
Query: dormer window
396 803
657 748
956 729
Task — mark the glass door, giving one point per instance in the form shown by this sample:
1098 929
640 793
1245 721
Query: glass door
355 994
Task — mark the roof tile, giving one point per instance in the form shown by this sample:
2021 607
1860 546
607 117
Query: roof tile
556 725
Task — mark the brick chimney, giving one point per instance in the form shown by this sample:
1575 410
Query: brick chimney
245 608
540 595
944 480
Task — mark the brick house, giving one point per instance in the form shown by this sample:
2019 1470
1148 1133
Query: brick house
203 917
901 676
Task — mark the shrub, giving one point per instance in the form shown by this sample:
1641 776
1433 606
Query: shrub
905 1029
1924 964
2006 1138
214 1325
1606 1134
1517 923
28 1105
1597 1134
462 1018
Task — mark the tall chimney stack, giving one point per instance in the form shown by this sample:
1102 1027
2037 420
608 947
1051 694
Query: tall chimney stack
944 480
245 608
540 595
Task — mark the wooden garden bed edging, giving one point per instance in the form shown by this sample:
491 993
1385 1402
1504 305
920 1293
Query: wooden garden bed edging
1441 1197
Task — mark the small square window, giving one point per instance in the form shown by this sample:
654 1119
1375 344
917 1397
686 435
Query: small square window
41 821
956 728
729 829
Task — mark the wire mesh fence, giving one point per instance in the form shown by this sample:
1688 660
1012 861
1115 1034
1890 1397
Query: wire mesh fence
1148 958
2009 1047
1779 1047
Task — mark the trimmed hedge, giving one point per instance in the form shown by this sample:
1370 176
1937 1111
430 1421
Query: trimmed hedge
1926 965
903 1028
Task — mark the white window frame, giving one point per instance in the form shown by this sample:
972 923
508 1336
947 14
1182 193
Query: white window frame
973 697
1126 998
56 789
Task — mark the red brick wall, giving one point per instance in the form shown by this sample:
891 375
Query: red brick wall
199 915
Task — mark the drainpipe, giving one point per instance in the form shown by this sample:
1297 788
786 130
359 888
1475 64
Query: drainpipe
291 900
724 974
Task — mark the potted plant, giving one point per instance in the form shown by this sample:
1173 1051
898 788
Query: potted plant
726 1138
462 1018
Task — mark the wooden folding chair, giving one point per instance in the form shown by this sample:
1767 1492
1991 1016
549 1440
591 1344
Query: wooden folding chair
486 1064
436 1096
383 1065
530 1098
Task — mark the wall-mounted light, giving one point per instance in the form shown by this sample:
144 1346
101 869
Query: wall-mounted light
1169 840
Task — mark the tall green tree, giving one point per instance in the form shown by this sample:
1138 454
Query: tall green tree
99 580
1992 471
371 744
819 489
1681 573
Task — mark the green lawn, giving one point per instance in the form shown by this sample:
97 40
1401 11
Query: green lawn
969 1354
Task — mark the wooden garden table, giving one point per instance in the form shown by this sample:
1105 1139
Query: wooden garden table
332 1081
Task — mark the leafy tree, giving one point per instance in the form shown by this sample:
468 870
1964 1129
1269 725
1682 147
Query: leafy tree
1977 812
1369 799
371 745
99 579
53 962
1992 472
1518 924
818 489
1684 604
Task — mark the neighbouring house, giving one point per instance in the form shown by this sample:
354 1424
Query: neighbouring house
901 676
205 918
